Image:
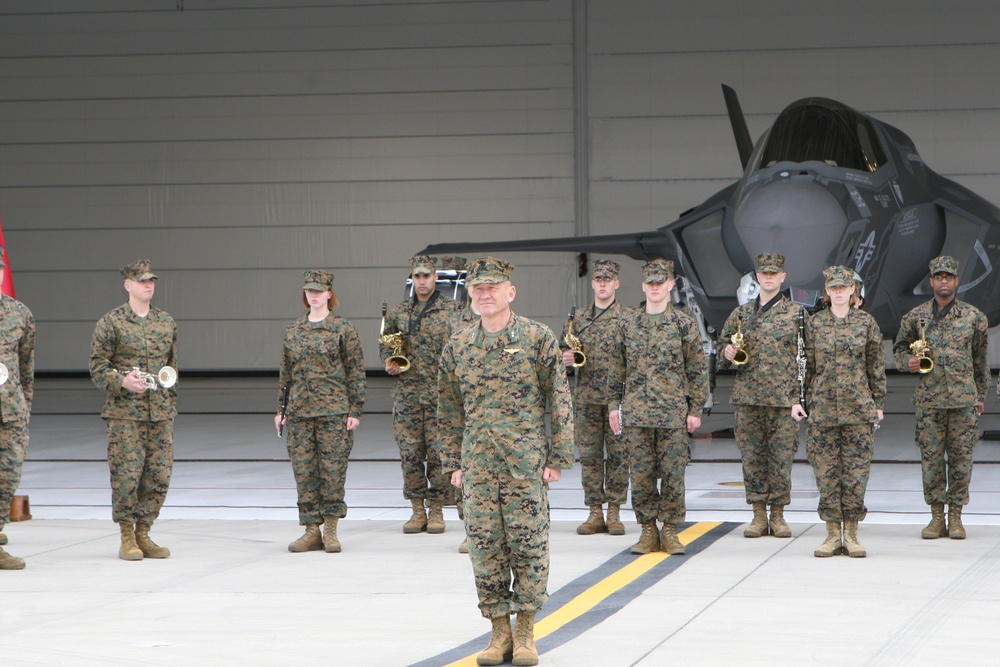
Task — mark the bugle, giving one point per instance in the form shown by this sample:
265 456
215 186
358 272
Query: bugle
573 343
4 373
738 341
394 342
922 350
166 377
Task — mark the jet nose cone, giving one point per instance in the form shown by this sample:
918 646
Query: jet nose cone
794 217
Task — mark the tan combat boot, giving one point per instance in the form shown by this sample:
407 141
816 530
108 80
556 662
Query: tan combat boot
649 540
463 548
594 523
129 549
311 540
331 544
501 646
615 525
832 545
851 542
418 520
936 528
669 541
777 524
3 539
8 562
435 519
525 652
956 530
758 526
148 547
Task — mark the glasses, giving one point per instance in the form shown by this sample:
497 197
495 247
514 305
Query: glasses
604 281
943 277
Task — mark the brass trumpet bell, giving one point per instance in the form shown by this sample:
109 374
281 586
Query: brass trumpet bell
404 363
166 377
4 373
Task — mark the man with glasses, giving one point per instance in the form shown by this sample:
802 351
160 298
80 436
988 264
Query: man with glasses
950 396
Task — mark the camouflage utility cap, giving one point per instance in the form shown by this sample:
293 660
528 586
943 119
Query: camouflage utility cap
422 264
605 268
138 270
321 281
657 271
452 263
838 276
488 270
944 264
770 262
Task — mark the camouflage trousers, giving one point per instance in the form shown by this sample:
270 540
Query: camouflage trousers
946 439
13 447
767 438
841 458
658 454
604 480
141 459
318 448
507 524
415 429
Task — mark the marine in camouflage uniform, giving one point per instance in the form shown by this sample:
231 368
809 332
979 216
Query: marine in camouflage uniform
140 420
603 456
666 386
425 322
323 370
950 397
845 393
495 382
763 393
17 353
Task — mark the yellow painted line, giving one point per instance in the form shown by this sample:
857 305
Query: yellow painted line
604 588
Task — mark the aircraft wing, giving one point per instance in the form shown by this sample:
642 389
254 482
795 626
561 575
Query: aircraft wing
638 245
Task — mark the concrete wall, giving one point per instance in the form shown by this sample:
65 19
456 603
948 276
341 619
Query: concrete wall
237 143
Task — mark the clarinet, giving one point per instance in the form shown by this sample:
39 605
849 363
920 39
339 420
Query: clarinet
800 357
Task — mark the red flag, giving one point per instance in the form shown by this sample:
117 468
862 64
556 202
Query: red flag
8 280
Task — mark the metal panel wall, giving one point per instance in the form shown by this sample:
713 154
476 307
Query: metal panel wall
238 143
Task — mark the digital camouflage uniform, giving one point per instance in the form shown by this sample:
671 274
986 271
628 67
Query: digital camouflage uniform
947 398
324 369
597 385
17 353
845 386
666 380
140 426
426 326
492 401
763 393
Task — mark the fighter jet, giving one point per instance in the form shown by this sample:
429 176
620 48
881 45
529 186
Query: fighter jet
824 185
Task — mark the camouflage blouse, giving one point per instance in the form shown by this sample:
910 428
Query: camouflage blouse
958 343
17 352
122 341
324 368
492 401
845 368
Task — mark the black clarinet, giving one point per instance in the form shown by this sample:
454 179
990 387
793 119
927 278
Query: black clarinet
282 408
801 357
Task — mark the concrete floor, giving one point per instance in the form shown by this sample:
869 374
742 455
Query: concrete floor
232 594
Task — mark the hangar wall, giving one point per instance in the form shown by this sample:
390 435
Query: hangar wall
239 142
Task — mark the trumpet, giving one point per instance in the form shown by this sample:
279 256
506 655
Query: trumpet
574 343
922 351
394 342
4 373
739 340
166 377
